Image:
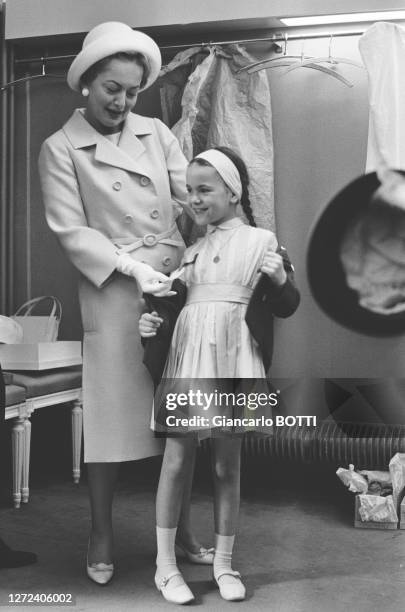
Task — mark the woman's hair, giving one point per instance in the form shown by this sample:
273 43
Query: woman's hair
244 179
94 70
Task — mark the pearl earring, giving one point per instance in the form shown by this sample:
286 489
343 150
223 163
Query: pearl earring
85 92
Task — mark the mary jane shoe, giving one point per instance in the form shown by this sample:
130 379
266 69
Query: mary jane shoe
205 556
100 573
173 593
231 591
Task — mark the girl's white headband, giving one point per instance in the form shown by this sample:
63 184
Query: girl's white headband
225 168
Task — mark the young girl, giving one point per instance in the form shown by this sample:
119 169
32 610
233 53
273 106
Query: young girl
211 340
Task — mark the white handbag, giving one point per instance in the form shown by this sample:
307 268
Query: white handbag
39 328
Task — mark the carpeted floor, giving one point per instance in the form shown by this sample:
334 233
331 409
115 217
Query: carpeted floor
296 548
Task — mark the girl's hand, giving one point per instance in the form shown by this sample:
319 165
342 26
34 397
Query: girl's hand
149 323
273 266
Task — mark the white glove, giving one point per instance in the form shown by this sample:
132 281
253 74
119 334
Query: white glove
148 279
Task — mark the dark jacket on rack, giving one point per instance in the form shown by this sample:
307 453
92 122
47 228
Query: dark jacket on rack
267 301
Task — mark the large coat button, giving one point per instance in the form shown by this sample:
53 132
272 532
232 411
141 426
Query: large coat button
117 186
144 181
149 240
154 214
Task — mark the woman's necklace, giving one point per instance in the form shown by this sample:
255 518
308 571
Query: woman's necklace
217 258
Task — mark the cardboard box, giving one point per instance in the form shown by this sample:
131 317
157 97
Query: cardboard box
358 522
40 356
402 515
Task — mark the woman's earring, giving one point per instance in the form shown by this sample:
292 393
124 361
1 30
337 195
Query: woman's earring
85 92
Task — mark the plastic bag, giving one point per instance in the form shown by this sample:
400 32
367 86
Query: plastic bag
353 480
377 509
384 478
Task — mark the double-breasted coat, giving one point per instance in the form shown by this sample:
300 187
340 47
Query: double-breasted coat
100 198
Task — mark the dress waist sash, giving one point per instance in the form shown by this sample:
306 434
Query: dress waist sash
218 292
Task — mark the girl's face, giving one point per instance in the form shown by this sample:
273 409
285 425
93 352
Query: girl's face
211 200
113 94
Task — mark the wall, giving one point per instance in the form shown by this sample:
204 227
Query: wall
320 135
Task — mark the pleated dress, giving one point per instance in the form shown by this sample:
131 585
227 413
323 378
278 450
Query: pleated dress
211 344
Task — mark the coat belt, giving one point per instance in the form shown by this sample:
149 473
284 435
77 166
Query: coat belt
148 240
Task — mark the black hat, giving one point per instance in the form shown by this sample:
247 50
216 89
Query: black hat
356 256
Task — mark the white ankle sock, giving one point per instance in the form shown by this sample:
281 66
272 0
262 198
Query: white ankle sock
223 553
166 556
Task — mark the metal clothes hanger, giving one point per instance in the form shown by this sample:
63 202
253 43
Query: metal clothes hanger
313 65
316 64
31 77
331 59
292 62
274 62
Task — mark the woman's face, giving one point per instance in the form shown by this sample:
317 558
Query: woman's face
210 199
113 94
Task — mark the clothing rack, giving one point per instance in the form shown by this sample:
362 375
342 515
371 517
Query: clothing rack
279 37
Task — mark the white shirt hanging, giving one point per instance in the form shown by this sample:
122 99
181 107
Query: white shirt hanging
382 48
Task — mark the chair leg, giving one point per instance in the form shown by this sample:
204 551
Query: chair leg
26 463
17 444
77 428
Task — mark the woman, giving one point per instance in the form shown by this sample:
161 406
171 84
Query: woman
112 182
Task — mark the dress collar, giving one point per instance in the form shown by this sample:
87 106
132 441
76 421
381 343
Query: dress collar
231 224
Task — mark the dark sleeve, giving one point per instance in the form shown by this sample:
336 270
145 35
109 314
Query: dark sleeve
157 347
282 301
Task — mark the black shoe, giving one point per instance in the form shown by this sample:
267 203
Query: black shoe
15 558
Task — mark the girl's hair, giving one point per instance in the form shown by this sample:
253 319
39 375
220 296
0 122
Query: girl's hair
94 70
244 179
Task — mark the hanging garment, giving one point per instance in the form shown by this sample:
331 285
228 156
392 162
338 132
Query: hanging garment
172 81
192 128
382 48
221 106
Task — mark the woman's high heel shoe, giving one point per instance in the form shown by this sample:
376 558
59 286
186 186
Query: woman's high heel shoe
205 556
100 573
174 591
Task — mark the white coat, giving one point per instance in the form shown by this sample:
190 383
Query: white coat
98 198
